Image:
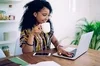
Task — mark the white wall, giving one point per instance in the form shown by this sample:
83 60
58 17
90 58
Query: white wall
67 12
60 18
95 9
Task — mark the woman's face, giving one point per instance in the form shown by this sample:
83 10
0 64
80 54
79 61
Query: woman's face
43 15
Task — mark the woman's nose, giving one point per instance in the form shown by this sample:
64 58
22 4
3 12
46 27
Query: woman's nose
46 18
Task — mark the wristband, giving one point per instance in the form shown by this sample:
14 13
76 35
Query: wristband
29 44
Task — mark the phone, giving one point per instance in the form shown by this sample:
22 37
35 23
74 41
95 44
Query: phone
41 54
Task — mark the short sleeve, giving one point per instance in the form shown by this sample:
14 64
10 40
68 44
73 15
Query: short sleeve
24 37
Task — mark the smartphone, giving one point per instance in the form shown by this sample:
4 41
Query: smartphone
41 54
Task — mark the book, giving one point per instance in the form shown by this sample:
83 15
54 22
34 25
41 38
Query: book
18 60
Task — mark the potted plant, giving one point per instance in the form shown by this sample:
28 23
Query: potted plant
88 27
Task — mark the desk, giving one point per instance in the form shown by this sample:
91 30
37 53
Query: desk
90 58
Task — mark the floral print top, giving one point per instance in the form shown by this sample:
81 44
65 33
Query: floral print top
41 41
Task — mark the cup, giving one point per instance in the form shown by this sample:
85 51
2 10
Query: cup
45 27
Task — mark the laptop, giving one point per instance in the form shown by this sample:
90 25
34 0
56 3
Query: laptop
81 48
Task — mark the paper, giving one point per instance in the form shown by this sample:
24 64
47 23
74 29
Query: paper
45 63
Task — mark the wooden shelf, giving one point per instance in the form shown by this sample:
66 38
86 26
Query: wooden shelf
6 42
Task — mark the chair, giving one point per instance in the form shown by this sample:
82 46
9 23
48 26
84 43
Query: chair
18 49
2 55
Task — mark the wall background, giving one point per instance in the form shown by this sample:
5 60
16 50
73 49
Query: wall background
64 17
67 12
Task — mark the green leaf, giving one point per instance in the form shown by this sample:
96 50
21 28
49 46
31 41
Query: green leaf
85 27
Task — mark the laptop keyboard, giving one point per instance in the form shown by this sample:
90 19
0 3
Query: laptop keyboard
73 53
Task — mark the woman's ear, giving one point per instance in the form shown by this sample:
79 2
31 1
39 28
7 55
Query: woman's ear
35 14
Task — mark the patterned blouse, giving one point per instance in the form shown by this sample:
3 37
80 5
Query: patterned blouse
41 41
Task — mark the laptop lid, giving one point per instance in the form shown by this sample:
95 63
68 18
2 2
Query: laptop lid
82 47
84 43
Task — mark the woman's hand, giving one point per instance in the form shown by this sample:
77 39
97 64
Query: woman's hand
61 51
37 29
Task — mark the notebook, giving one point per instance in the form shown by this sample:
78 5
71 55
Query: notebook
82 47
19 61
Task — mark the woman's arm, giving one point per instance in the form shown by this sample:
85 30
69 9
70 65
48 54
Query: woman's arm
59 47
28 38
29 46
54 41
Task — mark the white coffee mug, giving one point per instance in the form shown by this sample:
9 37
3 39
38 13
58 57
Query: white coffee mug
45 27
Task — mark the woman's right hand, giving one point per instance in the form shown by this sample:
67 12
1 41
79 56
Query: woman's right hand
61 51
37 29
31 33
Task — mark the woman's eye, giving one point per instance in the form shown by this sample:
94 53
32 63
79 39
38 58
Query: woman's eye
44 14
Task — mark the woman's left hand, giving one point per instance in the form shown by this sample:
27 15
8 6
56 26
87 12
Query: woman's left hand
61 51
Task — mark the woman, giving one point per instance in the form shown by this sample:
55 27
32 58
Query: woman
32 37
